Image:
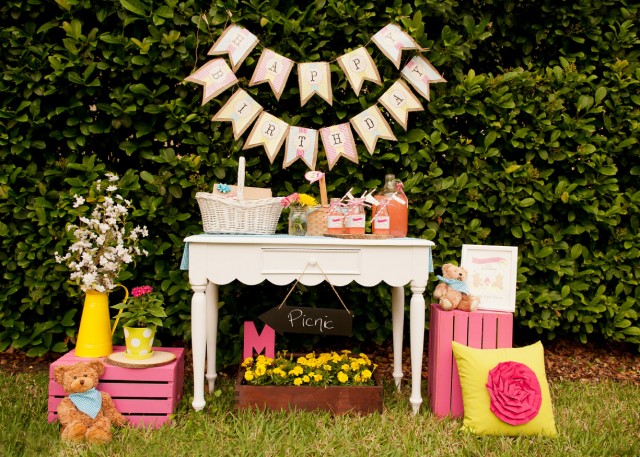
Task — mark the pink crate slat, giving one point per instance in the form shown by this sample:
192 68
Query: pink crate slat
489 333
161 373
475 329
505 330
480 329
131 405
137 421
124 389
443 364
460 333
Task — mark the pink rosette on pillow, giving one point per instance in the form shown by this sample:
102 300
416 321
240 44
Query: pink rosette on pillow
515 393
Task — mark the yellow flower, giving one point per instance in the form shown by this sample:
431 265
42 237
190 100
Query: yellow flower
345 367
297 381
305 378
366 374
355 365
327 367
317 377
248 375
247 362
342 377
260 369
307 200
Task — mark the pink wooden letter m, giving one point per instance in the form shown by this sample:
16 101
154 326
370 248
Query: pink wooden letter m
265 341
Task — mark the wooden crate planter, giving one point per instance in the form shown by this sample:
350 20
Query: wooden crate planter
145 396
479 329
336 399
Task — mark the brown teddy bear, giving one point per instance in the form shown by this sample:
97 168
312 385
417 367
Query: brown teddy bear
85 413
452 292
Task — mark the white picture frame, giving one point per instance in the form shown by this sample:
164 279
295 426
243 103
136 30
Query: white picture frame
492 275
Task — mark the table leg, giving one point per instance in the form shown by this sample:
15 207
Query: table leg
212 333
198 343
397 319
416 318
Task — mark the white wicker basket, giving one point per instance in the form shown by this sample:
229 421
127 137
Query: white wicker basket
236 215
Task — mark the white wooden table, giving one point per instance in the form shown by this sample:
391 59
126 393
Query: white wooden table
214 260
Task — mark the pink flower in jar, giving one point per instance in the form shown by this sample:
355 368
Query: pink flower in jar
515 393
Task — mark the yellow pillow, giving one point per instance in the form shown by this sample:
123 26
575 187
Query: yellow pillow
505 391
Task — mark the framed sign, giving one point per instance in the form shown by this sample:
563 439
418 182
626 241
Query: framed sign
492 275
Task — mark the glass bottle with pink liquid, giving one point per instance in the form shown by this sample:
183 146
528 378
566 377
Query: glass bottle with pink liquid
397 206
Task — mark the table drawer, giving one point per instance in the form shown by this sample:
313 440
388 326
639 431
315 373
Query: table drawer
334 261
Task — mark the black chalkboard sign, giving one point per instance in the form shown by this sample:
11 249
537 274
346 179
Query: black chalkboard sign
296 319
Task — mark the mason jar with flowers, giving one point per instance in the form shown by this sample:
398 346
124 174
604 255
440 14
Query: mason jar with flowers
299 206
102 244
140 317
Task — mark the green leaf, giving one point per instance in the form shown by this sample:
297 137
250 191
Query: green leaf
600 94
134 6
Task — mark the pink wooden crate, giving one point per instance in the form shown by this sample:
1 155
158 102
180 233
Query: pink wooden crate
479 329
145 396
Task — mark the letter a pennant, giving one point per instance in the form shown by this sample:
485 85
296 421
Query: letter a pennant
419 72
371 125
274 69
399 101
235 41
338 141
302 143
241 110
268 131
358 66
391 40
215 76
314 78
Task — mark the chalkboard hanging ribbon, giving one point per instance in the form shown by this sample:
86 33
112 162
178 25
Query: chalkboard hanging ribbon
326 279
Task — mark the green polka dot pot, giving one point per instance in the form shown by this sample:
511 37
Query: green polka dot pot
139 342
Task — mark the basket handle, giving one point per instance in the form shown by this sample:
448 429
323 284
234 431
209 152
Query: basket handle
240 190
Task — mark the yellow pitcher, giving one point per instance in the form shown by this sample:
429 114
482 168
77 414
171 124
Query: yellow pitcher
94 336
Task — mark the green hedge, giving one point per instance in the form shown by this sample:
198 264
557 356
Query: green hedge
532 142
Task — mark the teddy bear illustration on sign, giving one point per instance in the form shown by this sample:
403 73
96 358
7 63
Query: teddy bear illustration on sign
452 292
86 413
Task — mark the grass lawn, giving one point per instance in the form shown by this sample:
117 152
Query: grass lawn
593 419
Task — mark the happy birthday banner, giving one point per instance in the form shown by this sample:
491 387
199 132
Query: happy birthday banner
314 78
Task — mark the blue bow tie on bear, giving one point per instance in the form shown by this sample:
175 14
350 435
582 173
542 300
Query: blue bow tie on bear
455 284
88 402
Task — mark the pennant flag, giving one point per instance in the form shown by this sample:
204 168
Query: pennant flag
399 101
314 78
419 72
391 40
237 42
302 143
358 66
371 125
215 76
338 141
274 69
241 110
268 131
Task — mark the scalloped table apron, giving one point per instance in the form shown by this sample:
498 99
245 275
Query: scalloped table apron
214 260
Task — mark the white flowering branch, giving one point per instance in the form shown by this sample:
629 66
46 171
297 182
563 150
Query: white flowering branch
102 242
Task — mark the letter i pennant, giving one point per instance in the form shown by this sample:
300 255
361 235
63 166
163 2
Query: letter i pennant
241 110
338 141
